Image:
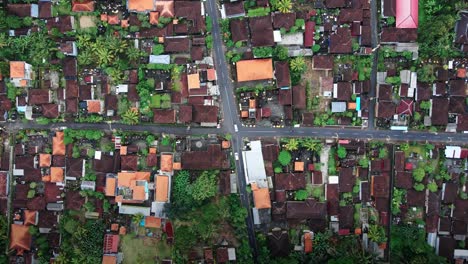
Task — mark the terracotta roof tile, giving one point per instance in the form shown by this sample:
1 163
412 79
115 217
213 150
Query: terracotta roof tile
261 197
162 188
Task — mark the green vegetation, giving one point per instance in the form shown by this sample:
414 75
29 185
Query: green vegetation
262 52
301 195
418 174
130 117
341 152
257 12
143 250
284 157
377 234
364 162
418 187
397 200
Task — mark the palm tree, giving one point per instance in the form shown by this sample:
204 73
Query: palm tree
297 64
136 219
284 6
293 144
130 117
312 145
104 55
133 54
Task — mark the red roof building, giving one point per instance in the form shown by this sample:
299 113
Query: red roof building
309 34
406 13
111 243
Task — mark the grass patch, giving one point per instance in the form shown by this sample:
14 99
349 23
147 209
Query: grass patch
143 250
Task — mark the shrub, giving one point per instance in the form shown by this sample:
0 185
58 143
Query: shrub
284 157
419 187
341 152
301 195
278 170
418 174
31 193
432 187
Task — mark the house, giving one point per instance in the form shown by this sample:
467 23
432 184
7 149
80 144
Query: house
82 6
132 187
39 96
439 111
141 5
20 238
254 70
23 10
335 3
299 97
111 243
340 41
164 116
21 73
278 242
167 162
162 187
261 197
177 44
309 34
254 165
461 36
385 110
283 80
304 210
284 20
211 158
398 35
406 13
239 30
206 115
290 181
261 31
322 62
232 10
342 91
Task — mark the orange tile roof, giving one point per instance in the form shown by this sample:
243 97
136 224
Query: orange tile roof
461 73
20 238
104 17
82 6
44 160
60 134
211 74
113 20
225 144
119 199
139 193
165 8
109 259
351 106
17 69
152 150
307 243
94 106
122 230
140 5
124 23
46 178
125 178
252 103
23 83
299 166
114 227
261 197
110 186
58 146
56 174
244 114
162 188
254 70
193 81
177 166
154 18
30 217
123 150
142 175
166 162
152 222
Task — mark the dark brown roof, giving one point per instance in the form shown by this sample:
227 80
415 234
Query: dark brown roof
457 105
162 116
25 162
461 29
399 160
71 89
278 243
111 102
385 92
457 87
340 42
366 36
105 164
440 111
433 204
153 32
461 210
196 52
270 152
345 90
52 192
234 8
282 74
403 180
284 20
85 92
38 96
71 106
450 193
50 110
20 10
346 217
173 45
238 30
213 158
69 67
74 167
308 209
323 62
348 15
381 186
185 113
389 7
424 92
37 203
47 219
290 181
447 245
74 200
385 109
285 96
462 123
307 119
261 31
187 9
415 198
299 97
288 112
129 162
346 180
45 9
392 34
132 94
205 114
335 3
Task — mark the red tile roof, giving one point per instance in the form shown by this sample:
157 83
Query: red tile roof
83 6
407 13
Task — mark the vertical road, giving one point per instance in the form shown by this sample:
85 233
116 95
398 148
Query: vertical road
375 47
230 116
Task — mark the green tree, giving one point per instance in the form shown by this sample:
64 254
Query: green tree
377 234
284 157
130 117
280 53
341 152
425 105
390 20
432 186
404 147
137 218
383 153
364 162
293 144
284 6
316 48
301 195
298 64
158 49
418 187
312 145
205 186
418 174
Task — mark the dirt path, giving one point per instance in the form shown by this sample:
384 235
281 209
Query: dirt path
324 154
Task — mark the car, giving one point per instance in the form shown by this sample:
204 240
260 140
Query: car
236 128
236 155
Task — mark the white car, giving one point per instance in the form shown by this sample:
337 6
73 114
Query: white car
236 155
236 128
